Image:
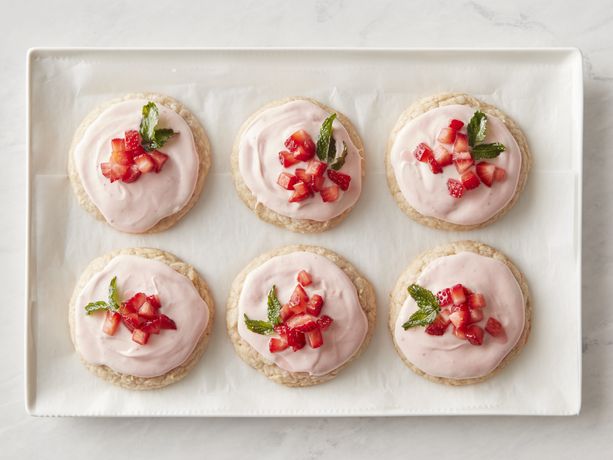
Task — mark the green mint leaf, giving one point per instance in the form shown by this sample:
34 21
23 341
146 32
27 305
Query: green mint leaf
482 151
325 139
148 124
476 128
259 327
162 135
274 307
340 160
93 307
425 299
114 300
421 317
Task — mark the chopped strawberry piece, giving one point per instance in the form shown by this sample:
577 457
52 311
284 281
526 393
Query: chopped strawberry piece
316 168
461 143
287 181
302 323
132 140
458 296
486 171
302 175
474 334
301 139
166 322
106 169
442 156
117 171
329 194
460 317
437 327
444 297
132 174
304 278
135 302
154 300
152 327
118 145
444 314
423 152
147 311
111 322
287 159
456 124
434 166
159 159
301 192
286 312
476 315
476 300
340 179
139 336
317 183
463 165
131 321
459 332
470 180
281 329
277 344
145 163
299 298
499 174
494 328
295 339
324 322
447 135
462 156
121 157
455 187
302 154
315 304
315 338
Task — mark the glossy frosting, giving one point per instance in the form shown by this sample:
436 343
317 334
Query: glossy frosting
446 355
258 160
427 192
137 206
180 301
341 340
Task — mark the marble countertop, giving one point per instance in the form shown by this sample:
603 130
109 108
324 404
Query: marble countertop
524 23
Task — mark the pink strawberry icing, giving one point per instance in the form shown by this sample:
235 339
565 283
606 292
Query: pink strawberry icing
427 192
180 301
137 206
446 355
341 340
259 166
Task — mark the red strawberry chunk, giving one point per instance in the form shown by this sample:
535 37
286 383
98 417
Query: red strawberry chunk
434 166
301 192
147 310
486 172
154 300
304 278
459 332
442 156
118 171
315 304
317 183
460 317
329 194
131 320
476 300
302 175
474 334
159 159
324 322
132 140
139 336
286 312
437 327
301 139
470 180
152 327
455 187
106 169
444 297
287 181
166 322
444 314
461 143
118 145
299 297
458 296
287 159
295 339
132 174
456 124
302 154
499 174
111 322
315 338
302 323
340 179
447 135
135 302
462 165
494 328
423 152
277 344
121 157
316 168
145 163
476 315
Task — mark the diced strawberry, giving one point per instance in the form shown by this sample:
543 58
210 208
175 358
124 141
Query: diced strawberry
447 135
147 311
444 297
474 334
135 302
117 171
486 171
459 332
317 183
154 300
437 327
301 139
118 145
301 192
286 312
316 168
121 157
470 180
302 175
152 327
302 323
423 152
106 169
329 194
463 165
476 300
131 321
456 124
145 163
458 296
132 140
302 154
460 317
277 344
304 278
315 304
324 322
462 156
461 143
467 292
444 314
295 339
299 298
476 315
111 322
315 338
340 179
287 181
455 187
434 166
139 336
494 328
132 174
159 159
166 322
442 156
281 329
499 174
287 159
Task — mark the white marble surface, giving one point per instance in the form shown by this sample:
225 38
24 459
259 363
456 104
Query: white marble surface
584 24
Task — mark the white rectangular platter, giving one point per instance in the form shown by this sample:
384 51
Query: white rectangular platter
541 89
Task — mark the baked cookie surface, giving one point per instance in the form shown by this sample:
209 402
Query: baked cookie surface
483 188
502 294
153 202
347 299
168 354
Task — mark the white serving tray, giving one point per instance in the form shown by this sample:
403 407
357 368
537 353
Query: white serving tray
541 89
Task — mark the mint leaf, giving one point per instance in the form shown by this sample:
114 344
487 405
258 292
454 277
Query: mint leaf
93 307
427 304
151 137
476 128
325 140
482 151
162 135
340 160
274 307
420 318
114 300
259 327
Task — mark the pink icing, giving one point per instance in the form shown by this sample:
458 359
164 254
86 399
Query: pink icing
137 206
446 355
180 301
258 160
427 192
341 340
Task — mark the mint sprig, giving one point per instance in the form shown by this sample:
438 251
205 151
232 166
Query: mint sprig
326 140
153 137
482 151
428 307
274 307
113 303
340 160
93 307
477 130
258 326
